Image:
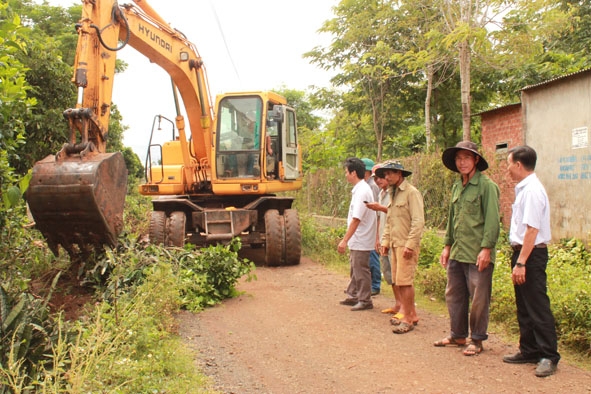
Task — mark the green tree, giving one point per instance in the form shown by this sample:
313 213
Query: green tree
455 56
300 101
538 42
49 78
49 36
14 104
133 163
368 39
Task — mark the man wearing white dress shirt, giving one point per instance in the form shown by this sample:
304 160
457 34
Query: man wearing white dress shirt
529 235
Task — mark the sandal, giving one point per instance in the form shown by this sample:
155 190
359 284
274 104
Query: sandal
449 341
390 310
403 328
396 319
473 349
396 322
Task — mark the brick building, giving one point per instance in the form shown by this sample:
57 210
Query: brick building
554 118
502 129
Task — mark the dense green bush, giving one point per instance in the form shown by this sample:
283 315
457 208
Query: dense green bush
26 334
318 198
569 287
434 181
431 247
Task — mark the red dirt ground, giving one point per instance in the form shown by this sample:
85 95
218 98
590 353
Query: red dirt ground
287 333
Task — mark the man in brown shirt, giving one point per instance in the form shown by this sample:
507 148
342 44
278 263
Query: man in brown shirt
405 222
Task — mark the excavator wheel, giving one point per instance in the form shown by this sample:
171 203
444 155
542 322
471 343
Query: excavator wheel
176 229
274 238
78 202
158 227
293 237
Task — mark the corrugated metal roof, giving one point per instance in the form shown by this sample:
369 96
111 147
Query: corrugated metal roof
496 109
556 79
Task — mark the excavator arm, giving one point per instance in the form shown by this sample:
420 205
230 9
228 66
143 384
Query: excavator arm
77 196
104 29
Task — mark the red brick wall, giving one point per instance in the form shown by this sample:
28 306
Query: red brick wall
502 129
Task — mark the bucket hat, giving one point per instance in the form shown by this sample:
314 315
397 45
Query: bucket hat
368 163
392 165
449 155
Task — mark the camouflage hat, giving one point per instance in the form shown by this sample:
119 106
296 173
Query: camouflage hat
392 165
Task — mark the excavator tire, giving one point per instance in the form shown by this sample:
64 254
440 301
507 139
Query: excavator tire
274 238
157 229
293 237
176 229
79 200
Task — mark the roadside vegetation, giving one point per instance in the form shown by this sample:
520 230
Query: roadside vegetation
123 339
395 93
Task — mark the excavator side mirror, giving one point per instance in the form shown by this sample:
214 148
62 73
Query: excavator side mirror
277 113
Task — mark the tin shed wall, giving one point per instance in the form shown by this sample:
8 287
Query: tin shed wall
557 124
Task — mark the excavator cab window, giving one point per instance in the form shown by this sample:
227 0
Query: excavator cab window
272 145
239 137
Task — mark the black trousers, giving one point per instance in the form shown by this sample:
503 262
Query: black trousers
537 327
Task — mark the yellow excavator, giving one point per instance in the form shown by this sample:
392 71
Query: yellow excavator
212 182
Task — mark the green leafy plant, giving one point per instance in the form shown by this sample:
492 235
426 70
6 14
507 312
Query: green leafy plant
209 275
431 247
26 333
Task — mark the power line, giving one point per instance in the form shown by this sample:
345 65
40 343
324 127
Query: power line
217 20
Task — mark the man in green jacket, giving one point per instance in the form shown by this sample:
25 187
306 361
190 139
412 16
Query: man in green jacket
473 227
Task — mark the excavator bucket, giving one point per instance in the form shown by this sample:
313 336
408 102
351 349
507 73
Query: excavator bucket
79 201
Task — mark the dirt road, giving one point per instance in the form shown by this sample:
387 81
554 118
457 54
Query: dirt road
288 334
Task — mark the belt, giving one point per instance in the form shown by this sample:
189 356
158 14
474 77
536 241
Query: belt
517 247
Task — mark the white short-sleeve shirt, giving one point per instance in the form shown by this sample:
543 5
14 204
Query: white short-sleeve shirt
531 208
364 237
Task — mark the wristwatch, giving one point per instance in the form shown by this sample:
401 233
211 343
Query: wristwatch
520 265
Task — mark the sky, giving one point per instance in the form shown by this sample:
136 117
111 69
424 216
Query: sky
239 42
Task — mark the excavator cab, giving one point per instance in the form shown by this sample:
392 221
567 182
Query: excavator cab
256 139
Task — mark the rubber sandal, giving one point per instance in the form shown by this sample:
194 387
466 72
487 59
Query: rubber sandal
449 341
396 322
473 349
403 328
396 319
389 310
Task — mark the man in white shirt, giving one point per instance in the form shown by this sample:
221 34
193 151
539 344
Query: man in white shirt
359 238
529 235
374 256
